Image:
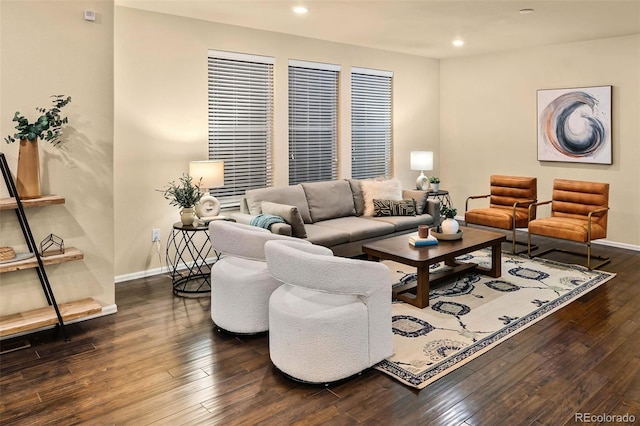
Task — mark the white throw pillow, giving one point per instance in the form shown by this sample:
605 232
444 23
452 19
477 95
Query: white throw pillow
381 190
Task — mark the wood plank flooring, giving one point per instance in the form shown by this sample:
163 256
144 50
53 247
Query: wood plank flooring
160 361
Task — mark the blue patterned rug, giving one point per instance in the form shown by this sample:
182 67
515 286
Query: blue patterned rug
473 313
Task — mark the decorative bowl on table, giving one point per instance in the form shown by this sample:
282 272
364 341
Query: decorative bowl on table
446 237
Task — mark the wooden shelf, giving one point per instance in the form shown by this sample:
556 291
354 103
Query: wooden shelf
42 317
70 254
9 203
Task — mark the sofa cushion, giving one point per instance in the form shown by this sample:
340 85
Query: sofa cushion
358 228
390 189
419 196
290 214
358 196
289 195
326 236
394 208
329 199
403 223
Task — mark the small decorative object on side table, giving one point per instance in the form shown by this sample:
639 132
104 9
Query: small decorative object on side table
184 194
435 183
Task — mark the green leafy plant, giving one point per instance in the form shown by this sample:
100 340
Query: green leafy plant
183 194
47 127
434 179
448 212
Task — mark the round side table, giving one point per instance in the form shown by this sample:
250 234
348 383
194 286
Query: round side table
441 195
188 249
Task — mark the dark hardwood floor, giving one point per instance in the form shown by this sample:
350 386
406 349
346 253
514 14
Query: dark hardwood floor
159 360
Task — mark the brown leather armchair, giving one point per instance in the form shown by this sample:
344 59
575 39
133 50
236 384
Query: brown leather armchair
509 203
579 213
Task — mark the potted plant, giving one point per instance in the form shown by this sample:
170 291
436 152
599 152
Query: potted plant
48 126
435 183
184 194
449 225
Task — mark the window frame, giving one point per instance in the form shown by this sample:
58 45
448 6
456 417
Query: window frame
371 138
314 108
240 129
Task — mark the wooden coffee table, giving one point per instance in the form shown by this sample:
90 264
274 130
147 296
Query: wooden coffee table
399 250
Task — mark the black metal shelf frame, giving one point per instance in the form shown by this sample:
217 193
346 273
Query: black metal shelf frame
31 244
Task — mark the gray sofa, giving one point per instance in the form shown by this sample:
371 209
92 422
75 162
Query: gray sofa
339 214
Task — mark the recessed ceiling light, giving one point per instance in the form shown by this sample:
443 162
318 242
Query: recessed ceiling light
457 42
526 11
300 10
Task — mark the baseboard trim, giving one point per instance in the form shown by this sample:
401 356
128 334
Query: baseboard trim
141 274
155 271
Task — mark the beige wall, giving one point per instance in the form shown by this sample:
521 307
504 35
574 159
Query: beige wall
476 113
488 122
48 48
161 112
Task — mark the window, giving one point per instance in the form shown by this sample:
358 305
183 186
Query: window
240 122
371 146
313 122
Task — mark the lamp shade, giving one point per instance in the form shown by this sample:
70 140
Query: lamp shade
421 160
211 172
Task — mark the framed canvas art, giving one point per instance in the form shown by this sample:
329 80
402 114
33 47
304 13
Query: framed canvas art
574 125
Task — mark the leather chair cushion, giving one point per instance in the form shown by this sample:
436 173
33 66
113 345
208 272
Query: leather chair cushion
497 217
566 228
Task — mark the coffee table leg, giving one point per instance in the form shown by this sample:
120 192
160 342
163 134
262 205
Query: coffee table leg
496 261
422 290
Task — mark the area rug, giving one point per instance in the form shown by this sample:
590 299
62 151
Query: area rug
470 314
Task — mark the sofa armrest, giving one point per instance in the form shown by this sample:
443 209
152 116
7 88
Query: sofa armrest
276 228
243 218
282 229
433 208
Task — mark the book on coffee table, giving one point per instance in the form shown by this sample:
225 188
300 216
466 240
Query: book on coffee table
416 241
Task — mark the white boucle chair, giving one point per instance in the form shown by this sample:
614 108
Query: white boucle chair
240 281
331 318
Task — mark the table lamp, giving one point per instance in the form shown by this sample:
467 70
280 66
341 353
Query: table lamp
422 160
210 174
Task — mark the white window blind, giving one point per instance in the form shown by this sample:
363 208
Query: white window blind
240 122
313 122
371 109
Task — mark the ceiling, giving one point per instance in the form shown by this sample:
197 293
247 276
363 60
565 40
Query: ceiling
420 27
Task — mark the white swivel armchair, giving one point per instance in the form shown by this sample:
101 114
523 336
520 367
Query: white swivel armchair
240 282
331 318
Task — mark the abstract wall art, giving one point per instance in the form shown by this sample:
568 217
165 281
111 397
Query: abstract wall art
574 125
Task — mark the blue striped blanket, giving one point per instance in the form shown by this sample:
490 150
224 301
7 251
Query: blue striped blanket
266 220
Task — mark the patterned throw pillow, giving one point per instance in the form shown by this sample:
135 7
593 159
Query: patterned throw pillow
390 189
394 208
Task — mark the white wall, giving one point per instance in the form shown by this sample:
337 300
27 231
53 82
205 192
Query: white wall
48 48
488 122
161 112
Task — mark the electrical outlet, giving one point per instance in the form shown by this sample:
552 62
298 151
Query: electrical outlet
155 235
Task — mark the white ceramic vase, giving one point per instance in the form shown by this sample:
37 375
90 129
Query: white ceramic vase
449 226
187 216
435 187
